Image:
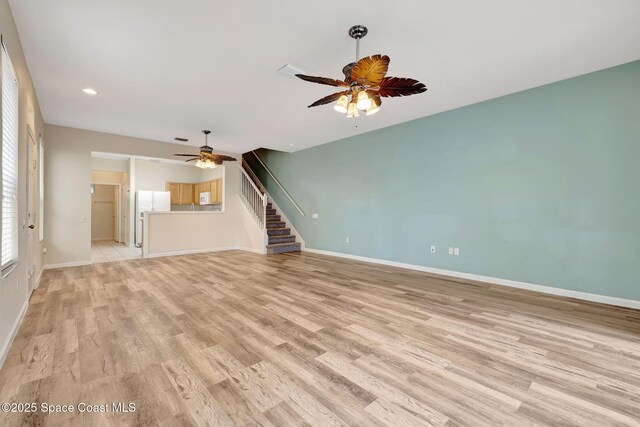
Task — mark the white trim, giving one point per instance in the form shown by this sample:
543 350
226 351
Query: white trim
14 330
201 251
261 251
492 280
67 264
38 279
16 325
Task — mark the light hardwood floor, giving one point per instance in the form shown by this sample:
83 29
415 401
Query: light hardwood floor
242 339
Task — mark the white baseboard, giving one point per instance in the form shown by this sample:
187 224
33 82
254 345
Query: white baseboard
492 280
38 278
201 251
262 251
67 264
14 330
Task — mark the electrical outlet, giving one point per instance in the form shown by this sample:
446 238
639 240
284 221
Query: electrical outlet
450 251
314 216
83 219
456 251
433 249
347 240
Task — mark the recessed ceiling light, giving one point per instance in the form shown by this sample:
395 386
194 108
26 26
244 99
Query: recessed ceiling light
90 91
291 145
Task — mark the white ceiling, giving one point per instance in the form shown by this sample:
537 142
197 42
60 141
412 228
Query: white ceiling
167 68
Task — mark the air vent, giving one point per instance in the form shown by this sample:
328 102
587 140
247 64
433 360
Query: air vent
181 139
290 70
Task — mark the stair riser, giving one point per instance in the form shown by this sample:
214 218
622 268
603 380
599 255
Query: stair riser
271 211
293 247
273 218
276 224
281 239
278 231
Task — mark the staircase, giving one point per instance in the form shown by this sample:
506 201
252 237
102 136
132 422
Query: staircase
280 239
278 236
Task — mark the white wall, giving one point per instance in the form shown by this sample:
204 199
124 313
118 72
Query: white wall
68 175
211 174
153 175
107 164
13 288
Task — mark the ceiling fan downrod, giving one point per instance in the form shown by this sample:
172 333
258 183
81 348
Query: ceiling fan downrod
357 32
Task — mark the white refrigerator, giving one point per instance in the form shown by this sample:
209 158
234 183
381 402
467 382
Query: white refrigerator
149 201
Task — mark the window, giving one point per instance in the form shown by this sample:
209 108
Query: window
41 189
9 247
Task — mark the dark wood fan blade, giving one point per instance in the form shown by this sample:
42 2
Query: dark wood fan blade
225 158
191 160
186 155
370 70
218 158
400 86
322 80
329 98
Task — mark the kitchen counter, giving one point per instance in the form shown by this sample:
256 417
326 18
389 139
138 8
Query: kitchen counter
183 212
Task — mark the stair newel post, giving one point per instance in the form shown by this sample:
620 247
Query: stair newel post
264 219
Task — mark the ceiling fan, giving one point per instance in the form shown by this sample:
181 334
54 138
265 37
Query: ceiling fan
365 82
207 159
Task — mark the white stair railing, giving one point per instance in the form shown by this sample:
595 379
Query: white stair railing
254 200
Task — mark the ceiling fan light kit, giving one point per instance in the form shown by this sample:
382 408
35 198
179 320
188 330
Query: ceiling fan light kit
341 105
364 83
206 158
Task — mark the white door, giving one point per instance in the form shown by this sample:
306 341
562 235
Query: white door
116 213
124 208
32 204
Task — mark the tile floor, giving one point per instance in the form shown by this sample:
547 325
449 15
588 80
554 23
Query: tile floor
109 251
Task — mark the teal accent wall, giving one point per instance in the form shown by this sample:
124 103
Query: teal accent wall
541 186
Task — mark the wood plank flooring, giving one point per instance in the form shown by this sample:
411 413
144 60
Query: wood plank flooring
236 338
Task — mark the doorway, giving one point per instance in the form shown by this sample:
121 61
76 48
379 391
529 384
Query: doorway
105 212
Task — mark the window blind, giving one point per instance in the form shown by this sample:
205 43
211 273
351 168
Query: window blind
41 190
9 248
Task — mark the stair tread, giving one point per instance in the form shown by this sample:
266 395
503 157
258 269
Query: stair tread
282 239
270 245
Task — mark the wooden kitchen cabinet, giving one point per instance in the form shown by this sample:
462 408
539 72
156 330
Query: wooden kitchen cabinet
181 193
174 188
186 193
217 183
196 193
